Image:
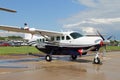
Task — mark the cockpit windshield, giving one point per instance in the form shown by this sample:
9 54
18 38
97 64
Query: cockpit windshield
75 35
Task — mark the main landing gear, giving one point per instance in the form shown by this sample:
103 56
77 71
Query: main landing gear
48 57
73 57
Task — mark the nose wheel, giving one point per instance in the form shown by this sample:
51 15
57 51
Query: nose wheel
97 59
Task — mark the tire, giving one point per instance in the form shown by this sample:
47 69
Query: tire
48 58
73 57
96 60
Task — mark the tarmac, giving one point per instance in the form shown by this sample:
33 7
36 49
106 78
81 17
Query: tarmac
27 67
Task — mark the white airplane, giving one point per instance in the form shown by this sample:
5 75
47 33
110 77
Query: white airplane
71 43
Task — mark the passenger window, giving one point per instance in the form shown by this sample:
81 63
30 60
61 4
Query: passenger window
63 37
58 38
43 40
40 40
67 38
52 38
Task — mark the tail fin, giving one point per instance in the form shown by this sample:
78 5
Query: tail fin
30 37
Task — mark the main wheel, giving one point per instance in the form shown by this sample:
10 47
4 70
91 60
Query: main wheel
48 58
96 60
73 57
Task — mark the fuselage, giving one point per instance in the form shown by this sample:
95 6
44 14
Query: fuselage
72 39
68 42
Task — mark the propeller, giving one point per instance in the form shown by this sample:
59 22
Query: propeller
103 37
8 10
105 41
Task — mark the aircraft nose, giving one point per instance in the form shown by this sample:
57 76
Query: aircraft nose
105 42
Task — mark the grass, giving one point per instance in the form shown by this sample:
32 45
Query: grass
113 48
110 48
18 50
30 49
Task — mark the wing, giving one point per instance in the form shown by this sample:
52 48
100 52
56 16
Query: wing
48 33
31 31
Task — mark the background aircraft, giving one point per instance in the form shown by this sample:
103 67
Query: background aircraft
71 43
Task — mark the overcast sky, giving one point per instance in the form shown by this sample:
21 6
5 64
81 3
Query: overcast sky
103 15
85 16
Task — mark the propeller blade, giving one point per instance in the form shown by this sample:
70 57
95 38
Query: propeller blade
109 37
9 10
104 50
100 35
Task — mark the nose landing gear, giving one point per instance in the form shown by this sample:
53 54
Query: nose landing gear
97 59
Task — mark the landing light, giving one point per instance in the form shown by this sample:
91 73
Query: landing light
80 51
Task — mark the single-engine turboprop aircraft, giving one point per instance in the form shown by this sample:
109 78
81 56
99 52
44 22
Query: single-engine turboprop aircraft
72 43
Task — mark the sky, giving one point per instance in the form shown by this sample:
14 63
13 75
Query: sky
85 16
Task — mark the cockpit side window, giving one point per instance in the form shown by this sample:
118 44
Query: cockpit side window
75 35
67 38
